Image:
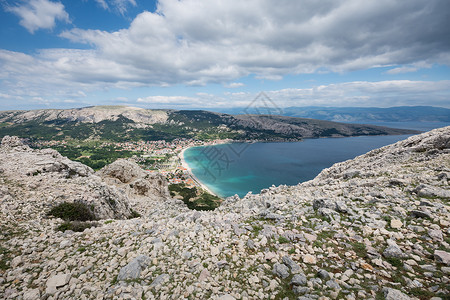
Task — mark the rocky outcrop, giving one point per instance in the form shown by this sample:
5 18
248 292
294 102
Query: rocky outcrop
47 178
141 187
375 227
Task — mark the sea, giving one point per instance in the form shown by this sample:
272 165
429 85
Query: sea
239 168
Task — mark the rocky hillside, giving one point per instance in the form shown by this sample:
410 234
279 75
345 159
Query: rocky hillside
119 123
375 227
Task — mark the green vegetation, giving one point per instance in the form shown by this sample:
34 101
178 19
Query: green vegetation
360 249
93 154
4 261
283 240
134 214
75 214
76 226
72 211
193 198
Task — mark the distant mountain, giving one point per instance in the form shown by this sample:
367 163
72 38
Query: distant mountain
119 123
357 114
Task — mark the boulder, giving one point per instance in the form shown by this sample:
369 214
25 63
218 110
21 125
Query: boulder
133 269
393 294
442 257
280 270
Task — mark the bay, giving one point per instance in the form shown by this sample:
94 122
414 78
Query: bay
238 168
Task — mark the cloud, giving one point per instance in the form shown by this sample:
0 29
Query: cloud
401 70
39 14
234 85
364 94
356 93
167 100
196 42
121 6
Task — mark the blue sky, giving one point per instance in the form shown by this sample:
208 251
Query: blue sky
222 53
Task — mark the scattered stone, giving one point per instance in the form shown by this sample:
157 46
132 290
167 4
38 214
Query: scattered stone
33 294
420 214
293 266
226 297
16 261
251 244
159 280
442 257
323 274
396 223
299 279
332 284
393 294
57 281
280 270
393 251
309 259
133 269
204 274
436 234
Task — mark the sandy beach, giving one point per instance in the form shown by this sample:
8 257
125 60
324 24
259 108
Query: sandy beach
196 180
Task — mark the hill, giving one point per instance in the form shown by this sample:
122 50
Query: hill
118 123
375 227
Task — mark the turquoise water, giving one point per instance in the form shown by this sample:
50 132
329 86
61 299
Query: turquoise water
240 167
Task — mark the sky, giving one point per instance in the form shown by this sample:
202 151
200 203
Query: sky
190 54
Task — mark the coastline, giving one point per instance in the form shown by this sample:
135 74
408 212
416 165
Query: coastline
189 170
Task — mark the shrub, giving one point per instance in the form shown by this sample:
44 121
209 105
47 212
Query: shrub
134 214
72 211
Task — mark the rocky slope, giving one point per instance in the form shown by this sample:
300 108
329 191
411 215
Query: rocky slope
376 227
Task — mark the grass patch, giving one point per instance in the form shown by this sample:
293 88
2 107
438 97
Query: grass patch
134 214
283 240
4 261
359 248
422 293
76 226
396 262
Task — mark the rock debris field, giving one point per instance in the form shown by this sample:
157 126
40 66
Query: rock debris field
375 227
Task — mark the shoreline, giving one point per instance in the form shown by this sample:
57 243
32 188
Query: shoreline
185 165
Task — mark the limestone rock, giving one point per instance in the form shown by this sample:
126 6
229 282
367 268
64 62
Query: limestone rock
442 257
393 294
293 266
309 259
57 281
33 294
280 270
396 223
133 269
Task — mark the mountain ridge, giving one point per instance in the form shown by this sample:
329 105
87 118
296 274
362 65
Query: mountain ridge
138 123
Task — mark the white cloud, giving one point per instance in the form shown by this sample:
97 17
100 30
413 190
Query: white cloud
401 70
167 100
102 3
196 42
357 93
234 85
120 6
364 93
37 14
